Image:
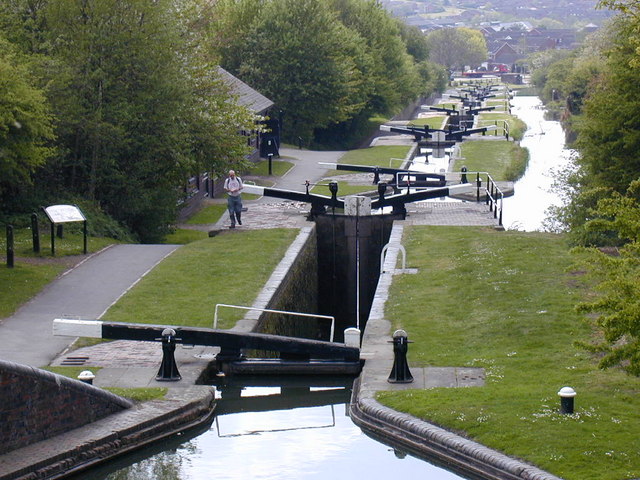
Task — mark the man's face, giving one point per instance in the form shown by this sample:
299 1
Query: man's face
232 174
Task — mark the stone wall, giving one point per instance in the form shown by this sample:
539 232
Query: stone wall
297 291
36 405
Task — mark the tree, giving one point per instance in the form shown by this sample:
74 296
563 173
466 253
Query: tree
454 48
393 74
618 306
137 101
306 61
25 124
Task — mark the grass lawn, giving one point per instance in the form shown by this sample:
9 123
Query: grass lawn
344 189
505 301
278 167
184 289
209 214
516 126
23 282
503 159
436 122
380 156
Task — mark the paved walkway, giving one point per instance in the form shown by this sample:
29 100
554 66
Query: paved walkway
86 291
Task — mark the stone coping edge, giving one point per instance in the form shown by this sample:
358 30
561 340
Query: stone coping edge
114 435
438 445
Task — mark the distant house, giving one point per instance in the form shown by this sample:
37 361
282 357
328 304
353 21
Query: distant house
505 53
205 185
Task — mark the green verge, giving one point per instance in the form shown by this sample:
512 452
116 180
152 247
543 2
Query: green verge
436 122
516 126
184 289
504 160
23 282
504 301
379 156
278 168
208 214
344 189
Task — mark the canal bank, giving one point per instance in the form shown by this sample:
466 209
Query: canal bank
376 350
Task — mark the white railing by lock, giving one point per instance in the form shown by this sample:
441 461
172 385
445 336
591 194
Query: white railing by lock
268 310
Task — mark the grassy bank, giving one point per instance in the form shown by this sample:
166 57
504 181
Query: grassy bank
503 159
504 301
184 289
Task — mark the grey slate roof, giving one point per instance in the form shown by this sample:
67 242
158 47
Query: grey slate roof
247 96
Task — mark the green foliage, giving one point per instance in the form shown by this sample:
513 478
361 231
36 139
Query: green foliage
454 48
329 65
137 103
617 275
25 124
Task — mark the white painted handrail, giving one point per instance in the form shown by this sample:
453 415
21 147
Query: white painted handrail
384 253
299 314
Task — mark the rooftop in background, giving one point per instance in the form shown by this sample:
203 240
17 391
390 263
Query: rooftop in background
247 96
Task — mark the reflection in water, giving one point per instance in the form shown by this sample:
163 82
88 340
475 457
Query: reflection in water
526 209
298 432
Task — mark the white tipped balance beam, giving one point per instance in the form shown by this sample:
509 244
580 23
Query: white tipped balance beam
253 189
331 165
385 128
66 327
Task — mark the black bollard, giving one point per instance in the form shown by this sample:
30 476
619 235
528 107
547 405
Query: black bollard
463 177
168 369
567 394
400 372
270 157
333 188
35 232
86 376
9 246
382 189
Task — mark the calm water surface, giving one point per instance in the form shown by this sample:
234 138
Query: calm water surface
526 209
316 442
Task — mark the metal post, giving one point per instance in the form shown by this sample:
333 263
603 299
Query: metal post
85 236
86 376
9 246
53 240
270 157
168 369
567 394
35 232
400 372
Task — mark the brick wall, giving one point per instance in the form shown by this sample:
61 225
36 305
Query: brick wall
36 404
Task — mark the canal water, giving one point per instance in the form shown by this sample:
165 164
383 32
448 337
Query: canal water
527 209
277 432
303 431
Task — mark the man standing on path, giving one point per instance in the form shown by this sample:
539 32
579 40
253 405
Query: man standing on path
233 186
